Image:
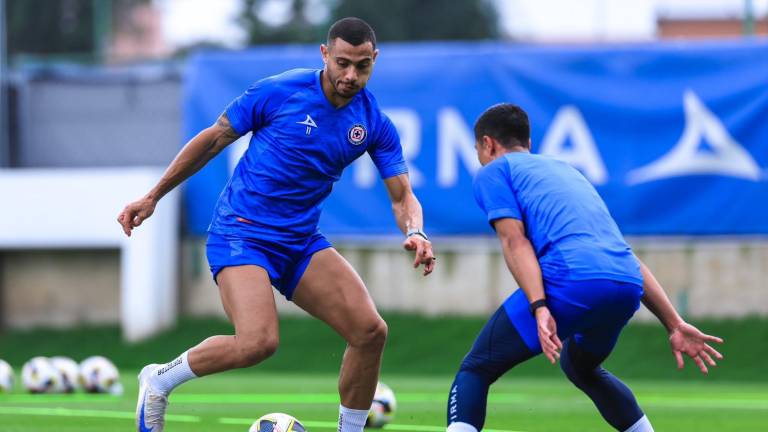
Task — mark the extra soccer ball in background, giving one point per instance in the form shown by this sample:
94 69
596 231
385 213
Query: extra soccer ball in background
39 376
383 407
69 374
6 377
277 422
99 375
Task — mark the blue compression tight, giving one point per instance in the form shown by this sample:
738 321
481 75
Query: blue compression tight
499 347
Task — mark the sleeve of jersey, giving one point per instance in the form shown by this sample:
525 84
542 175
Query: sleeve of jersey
249 111
494 195
386 152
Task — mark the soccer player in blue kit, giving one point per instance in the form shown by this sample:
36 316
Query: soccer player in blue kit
579 280
307 125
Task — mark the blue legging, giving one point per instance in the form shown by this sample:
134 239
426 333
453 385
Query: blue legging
499 347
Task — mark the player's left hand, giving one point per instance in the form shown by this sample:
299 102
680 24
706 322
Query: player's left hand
687 339
550 343
424 254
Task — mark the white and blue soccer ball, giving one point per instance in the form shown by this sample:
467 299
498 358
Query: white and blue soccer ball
39 376
277 422
6 377
383 407
99 375
69 374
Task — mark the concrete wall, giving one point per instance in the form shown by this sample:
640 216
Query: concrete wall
716 278
59 288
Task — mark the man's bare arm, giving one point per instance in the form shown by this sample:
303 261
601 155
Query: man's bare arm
195 154
192 157
408 215
405 206
524 266
683 337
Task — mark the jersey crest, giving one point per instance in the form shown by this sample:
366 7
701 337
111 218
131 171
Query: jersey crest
357 134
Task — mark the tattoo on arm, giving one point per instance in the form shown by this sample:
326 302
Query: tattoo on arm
225 133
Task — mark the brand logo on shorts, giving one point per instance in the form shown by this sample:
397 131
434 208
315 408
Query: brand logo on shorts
356 134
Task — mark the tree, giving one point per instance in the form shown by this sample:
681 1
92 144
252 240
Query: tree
393 20
297 29
401 20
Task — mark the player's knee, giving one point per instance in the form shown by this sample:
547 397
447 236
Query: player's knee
254 350
372 336
486 370
578 374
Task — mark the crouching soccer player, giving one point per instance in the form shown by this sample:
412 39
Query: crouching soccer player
307 125
580 282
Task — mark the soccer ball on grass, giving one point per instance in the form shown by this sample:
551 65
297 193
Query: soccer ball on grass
39 376
99 375
383 407
69 374
277 422
6 377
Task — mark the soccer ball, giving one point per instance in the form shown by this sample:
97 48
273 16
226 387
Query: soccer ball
38 376
99 375
69 372
6 377
383 407
277 422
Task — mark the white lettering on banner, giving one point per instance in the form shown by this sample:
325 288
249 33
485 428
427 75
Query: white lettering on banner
583 154
408 125
455 141
727 157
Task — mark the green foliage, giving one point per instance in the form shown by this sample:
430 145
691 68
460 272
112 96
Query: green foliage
408 20
50 27
297 29
393 20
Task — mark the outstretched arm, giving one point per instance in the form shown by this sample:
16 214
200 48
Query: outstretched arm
408 215
195 154
524 265
683 337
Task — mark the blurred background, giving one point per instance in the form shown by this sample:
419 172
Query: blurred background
660 103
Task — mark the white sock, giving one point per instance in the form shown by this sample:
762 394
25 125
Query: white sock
172 374
461 427
642 425
351 420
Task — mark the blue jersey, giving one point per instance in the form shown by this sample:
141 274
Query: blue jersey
300 145
568 224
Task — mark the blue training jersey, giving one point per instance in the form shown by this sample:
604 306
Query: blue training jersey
300 145
568 224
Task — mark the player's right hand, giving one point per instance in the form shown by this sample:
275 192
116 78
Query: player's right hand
135 213
687 339
550 343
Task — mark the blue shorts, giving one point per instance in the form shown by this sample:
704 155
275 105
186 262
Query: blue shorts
285 262
593 312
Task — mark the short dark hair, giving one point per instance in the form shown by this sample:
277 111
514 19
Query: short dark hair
505 122
353 30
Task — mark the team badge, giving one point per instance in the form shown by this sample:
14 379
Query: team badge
356 134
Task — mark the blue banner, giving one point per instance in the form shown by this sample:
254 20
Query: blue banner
673 135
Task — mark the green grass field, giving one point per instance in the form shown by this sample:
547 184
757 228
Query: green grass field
420 359
232 401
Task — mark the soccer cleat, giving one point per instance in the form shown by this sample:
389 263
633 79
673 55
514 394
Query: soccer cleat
150 409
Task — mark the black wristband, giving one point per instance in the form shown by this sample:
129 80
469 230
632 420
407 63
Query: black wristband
537 304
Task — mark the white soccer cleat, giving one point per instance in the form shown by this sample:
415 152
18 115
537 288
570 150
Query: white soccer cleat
150 409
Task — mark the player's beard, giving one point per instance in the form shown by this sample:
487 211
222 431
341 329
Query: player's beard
347 92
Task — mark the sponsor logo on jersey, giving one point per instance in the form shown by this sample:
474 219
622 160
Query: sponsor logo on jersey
309 123
357 134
